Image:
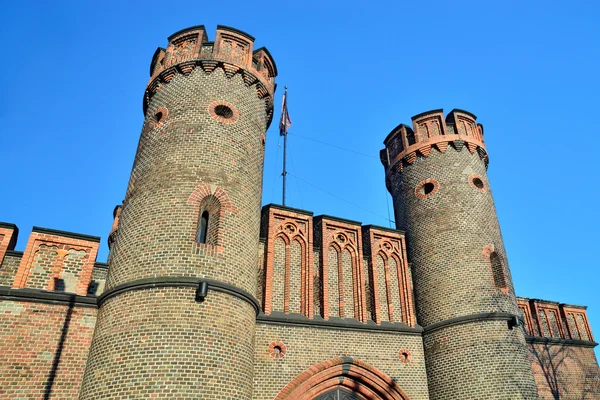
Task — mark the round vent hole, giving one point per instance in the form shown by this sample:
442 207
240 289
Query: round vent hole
428 188
478 183
223 111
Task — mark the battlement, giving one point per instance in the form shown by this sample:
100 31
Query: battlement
53 260
550 319
431 130
232 51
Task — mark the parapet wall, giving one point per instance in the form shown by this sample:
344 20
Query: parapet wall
561 349
430 130
550 319
53 261
232 51
332 268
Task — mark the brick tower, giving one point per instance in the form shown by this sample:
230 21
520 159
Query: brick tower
177 318
436 174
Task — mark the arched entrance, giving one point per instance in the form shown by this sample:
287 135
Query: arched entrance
342 378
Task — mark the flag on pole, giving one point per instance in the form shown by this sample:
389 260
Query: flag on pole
285 122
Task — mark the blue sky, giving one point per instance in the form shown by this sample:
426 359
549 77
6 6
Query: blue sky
74 74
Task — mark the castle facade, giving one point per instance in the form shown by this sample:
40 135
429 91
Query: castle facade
206 295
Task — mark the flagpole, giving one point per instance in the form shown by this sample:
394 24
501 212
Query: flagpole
284 173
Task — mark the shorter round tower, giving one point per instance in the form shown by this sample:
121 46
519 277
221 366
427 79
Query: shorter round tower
436 174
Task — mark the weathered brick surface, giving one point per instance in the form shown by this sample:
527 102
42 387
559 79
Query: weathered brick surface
306 347
162 343
566 372
483 360
43 349
8 269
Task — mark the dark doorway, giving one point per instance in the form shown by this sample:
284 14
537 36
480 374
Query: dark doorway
339 394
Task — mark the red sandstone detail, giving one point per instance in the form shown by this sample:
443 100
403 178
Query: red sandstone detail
63 246
289 227
277 350
390 245
332 233
356 375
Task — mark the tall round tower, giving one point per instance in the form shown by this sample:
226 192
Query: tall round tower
177 318
436 174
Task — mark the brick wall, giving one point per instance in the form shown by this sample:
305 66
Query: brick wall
43 349
307 347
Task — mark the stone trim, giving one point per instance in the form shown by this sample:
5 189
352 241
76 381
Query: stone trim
14 253
491 316
286 208
559 341
70 235
44 297
335 323
179 281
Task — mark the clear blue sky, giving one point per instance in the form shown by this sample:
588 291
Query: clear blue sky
74 74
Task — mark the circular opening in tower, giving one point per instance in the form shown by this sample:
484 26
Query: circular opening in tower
477 183
224 111
404 356
277 350
428 188
158 116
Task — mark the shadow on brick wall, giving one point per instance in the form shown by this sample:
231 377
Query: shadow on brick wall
59 349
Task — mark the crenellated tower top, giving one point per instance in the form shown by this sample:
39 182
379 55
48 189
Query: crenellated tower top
431 130
232 50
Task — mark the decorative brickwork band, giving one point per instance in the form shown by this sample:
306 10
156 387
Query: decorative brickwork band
231 51
288 282
57 261
431 130
549 319
342 270
390 295
355 375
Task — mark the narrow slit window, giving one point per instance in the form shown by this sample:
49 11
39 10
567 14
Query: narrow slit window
203 229
498 270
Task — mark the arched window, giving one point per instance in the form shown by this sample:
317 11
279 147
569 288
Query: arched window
203 227
498 270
